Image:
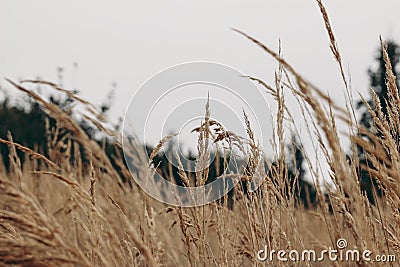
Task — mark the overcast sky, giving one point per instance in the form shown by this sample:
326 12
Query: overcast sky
129 41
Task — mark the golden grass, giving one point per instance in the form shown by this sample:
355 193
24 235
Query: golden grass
62 213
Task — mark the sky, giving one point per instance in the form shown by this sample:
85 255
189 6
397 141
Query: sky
104 43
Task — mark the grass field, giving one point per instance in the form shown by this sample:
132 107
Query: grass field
59 211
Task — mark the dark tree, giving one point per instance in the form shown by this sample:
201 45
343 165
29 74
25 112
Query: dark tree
378 83
303 191
26 121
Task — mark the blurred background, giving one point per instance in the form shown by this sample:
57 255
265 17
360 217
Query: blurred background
100 45
106 51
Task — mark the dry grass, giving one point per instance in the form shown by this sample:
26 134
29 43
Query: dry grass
62 213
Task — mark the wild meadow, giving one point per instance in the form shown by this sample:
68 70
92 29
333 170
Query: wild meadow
75 205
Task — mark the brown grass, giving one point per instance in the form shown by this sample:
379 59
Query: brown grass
61 213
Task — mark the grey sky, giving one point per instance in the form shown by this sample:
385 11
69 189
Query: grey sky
129 41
